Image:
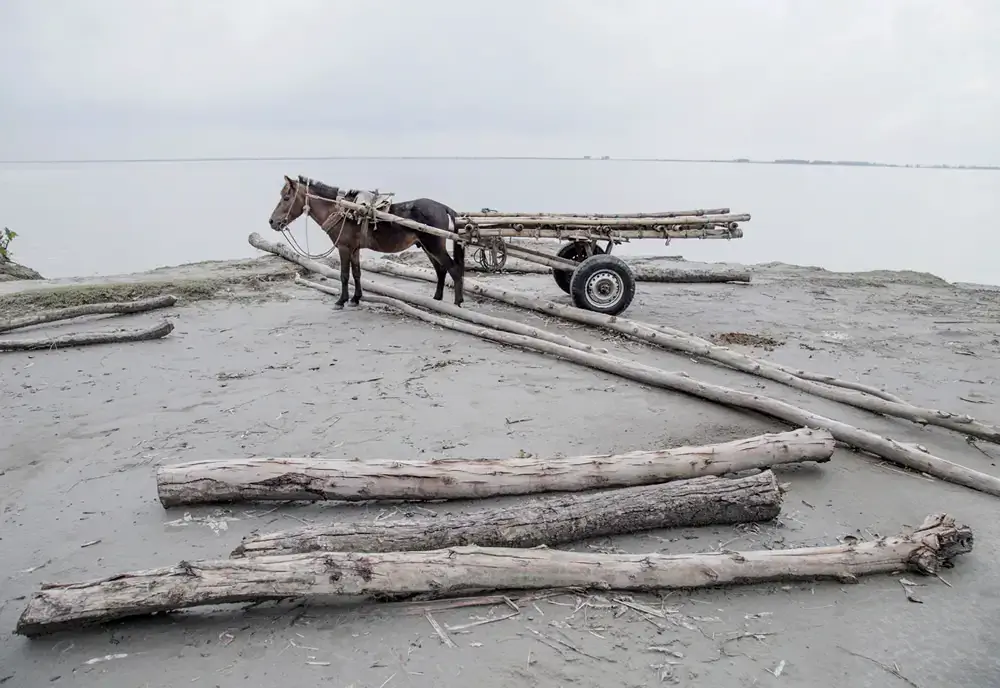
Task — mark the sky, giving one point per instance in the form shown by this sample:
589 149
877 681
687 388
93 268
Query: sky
886 80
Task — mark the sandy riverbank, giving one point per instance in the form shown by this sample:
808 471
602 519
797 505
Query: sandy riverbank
259 367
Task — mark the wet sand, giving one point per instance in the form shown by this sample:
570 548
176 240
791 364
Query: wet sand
280 372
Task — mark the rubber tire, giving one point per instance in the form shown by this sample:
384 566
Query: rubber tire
574 251
598 263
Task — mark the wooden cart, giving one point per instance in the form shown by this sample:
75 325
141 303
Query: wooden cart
595 279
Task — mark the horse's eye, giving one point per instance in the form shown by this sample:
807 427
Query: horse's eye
286 197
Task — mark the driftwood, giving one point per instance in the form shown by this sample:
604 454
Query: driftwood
107 308
527 221
550 521
460 570
675 275
910 456
871 399
229 480
668 213
87 339
642 271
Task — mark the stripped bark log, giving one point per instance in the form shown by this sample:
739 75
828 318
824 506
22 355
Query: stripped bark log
107 308
551 521
231 480
668 213
527 221
87 339
677 340
910 456
688 275
457 571
456 311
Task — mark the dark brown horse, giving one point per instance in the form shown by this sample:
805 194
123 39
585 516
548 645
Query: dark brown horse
351 232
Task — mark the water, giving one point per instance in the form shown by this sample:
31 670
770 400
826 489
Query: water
77 220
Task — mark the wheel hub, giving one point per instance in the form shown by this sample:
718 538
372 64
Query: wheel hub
604 288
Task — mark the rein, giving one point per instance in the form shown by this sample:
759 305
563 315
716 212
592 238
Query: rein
306 211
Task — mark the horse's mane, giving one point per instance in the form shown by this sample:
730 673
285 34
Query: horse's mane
321 189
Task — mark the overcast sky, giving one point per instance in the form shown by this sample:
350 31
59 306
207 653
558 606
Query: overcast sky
891 80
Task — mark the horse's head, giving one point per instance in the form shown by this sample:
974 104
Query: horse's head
290 206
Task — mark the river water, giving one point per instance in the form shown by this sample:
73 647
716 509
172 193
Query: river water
89 219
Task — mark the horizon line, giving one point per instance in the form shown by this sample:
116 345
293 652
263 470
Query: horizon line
579 158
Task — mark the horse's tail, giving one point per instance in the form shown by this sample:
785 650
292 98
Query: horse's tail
458 249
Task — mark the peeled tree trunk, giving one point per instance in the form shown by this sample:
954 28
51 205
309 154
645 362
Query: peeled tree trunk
459 570
293 479
548 521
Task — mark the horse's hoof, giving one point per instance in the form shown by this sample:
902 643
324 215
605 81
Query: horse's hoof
354 304
338 306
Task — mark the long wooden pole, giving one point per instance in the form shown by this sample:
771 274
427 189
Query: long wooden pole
455 571
668 213
300 479
549 521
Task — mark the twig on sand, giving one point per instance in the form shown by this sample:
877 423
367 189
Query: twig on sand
437 629
894 670
481 622
88 339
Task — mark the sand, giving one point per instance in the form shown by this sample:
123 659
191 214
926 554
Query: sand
272 369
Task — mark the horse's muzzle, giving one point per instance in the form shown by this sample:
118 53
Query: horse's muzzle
277 225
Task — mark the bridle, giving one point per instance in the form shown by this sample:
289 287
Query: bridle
306 213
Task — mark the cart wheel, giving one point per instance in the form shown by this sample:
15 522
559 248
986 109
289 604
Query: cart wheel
577 251
603 284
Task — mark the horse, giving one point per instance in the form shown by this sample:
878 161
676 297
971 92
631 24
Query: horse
351 233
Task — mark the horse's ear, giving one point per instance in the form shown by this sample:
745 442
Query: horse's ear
289 181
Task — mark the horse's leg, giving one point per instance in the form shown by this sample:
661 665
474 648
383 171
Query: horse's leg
458 275
345 274
447 266
356 270
434 256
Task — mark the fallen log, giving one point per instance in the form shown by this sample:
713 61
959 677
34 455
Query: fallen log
107 308
457 571
470 316
551 521
911 456
871 399
642 271
295 479
88 338
676 275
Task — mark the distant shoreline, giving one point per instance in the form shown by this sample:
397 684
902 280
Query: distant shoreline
591 158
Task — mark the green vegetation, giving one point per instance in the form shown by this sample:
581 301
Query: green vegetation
7 236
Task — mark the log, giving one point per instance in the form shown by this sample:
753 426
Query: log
88 339
457 311
553 521
456 571
910 456
294 479
650 273
871 399
569 231
107 308
669 213
616 222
